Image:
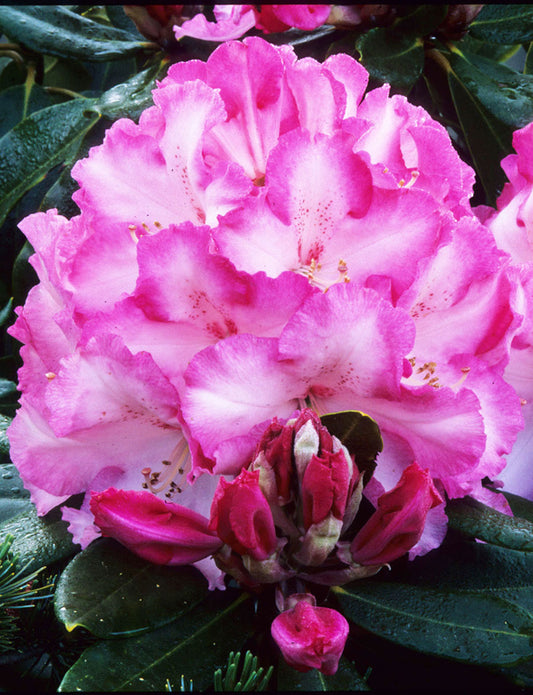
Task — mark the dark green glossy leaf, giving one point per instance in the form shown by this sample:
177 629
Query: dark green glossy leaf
38 541
463 626
39 142
520 506
67 74
421 21
494 51
129 99
120 19
5 315
528 64
104 578
476 520
12 71
491 102
14 498
16 103
347 678
56 30
194 646
104 76
4 423
505 23
24 276
392 58
476 567
360 435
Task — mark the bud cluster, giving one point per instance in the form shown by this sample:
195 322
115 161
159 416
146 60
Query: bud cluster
291 512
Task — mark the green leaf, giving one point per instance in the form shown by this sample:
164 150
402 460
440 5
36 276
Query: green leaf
129 99
120 19
56 30
14 499
101 580
24 276
4 423
506 24
392 58
494 51
194 646
346 678
39 142
491 102
38 541
520 506
476 567
476 520
5 316
359 433
463 626
16 104
421 21
528 64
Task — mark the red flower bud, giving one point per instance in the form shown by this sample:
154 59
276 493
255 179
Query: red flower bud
158 531
241 516
398 521
310 636
325 487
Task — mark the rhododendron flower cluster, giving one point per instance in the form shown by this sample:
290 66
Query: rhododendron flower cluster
268 236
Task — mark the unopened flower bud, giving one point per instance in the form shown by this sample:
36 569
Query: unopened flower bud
311 636
398 521
241 516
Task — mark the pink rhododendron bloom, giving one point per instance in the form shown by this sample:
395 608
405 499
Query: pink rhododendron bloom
512 226
232 21
267 236
348 346
311 636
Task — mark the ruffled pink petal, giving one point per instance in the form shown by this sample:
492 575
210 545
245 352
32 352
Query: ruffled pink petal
352 76
232 21
104 384
148 180
516 476
232 386
310 85
348 340
463 292
256 101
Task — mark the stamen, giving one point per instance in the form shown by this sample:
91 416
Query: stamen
461 381
414 176
164 480
343 271
50 375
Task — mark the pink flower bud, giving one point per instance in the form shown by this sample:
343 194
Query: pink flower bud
275 452
158 531
310 636
241 516
399 519
325 487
